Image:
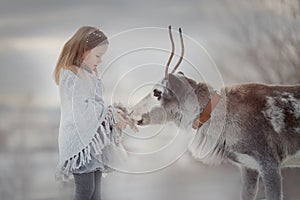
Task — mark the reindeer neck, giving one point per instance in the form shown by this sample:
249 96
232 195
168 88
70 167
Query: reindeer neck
202 91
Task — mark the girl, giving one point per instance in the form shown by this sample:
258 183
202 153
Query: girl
89 129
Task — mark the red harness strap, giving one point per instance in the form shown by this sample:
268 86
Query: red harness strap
205 115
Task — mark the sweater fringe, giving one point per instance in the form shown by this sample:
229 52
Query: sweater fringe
110 135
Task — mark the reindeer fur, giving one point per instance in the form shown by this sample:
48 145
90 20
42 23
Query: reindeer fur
260 133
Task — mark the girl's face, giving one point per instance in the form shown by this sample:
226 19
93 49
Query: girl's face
93 57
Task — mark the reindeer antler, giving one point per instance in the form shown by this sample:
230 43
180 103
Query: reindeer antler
172 53
182 52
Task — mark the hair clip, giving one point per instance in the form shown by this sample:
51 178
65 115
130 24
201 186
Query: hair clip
94 33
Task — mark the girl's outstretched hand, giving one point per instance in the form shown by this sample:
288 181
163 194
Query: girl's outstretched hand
124 118
122 122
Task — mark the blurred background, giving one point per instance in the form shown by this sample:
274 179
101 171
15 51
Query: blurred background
248 41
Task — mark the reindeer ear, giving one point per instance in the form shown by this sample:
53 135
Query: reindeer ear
174 83
179 86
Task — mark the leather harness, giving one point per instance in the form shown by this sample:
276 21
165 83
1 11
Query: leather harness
205 114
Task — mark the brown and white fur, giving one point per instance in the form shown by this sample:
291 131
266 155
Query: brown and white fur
260 131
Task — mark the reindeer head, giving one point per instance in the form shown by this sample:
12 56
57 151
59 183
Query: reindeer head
172 99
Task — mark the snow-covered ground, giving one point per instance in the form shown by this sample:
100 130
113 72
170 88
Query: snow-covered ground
30 176
28 158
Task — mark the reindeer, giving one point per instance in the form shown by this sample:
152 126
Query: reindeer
259 132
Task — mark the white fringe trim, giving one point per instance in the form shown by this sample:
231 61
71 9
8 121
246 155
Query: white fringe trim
110 137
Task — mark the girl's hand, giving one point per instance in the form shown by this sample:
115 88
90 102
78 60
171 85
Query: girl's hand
122 122
121 125
125 119
110 108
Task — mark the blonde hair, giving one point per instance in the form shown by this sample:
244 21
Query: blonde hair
71 56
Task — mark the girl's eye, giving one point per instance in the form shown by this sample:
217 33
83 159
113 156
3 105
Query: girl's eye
97 56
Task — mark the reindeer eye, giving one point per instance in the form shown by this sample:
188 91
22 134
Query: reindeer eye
157 94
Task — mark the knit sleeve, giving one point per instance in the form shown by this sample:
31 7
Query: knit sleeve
87 111
96 101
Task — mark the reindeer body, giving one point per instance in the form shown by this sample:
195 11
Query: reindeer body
260 134
261 118
254 126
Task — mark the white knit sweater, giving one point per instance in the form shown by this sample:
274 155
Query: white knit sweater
82 113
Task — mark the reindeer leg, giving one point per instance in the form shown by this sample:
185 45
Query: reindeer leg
271 176
250 182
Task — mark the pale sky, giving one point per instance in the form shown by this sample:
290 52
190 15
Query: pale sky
33 32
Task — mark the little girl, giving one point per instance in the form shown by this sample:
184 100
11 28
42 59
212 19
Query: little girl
89 129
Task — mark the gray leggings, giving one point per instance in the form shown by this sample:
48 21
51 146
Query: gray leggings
88 186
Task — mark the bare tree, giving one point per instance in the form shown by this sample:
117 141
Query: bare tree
266 46
286 7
